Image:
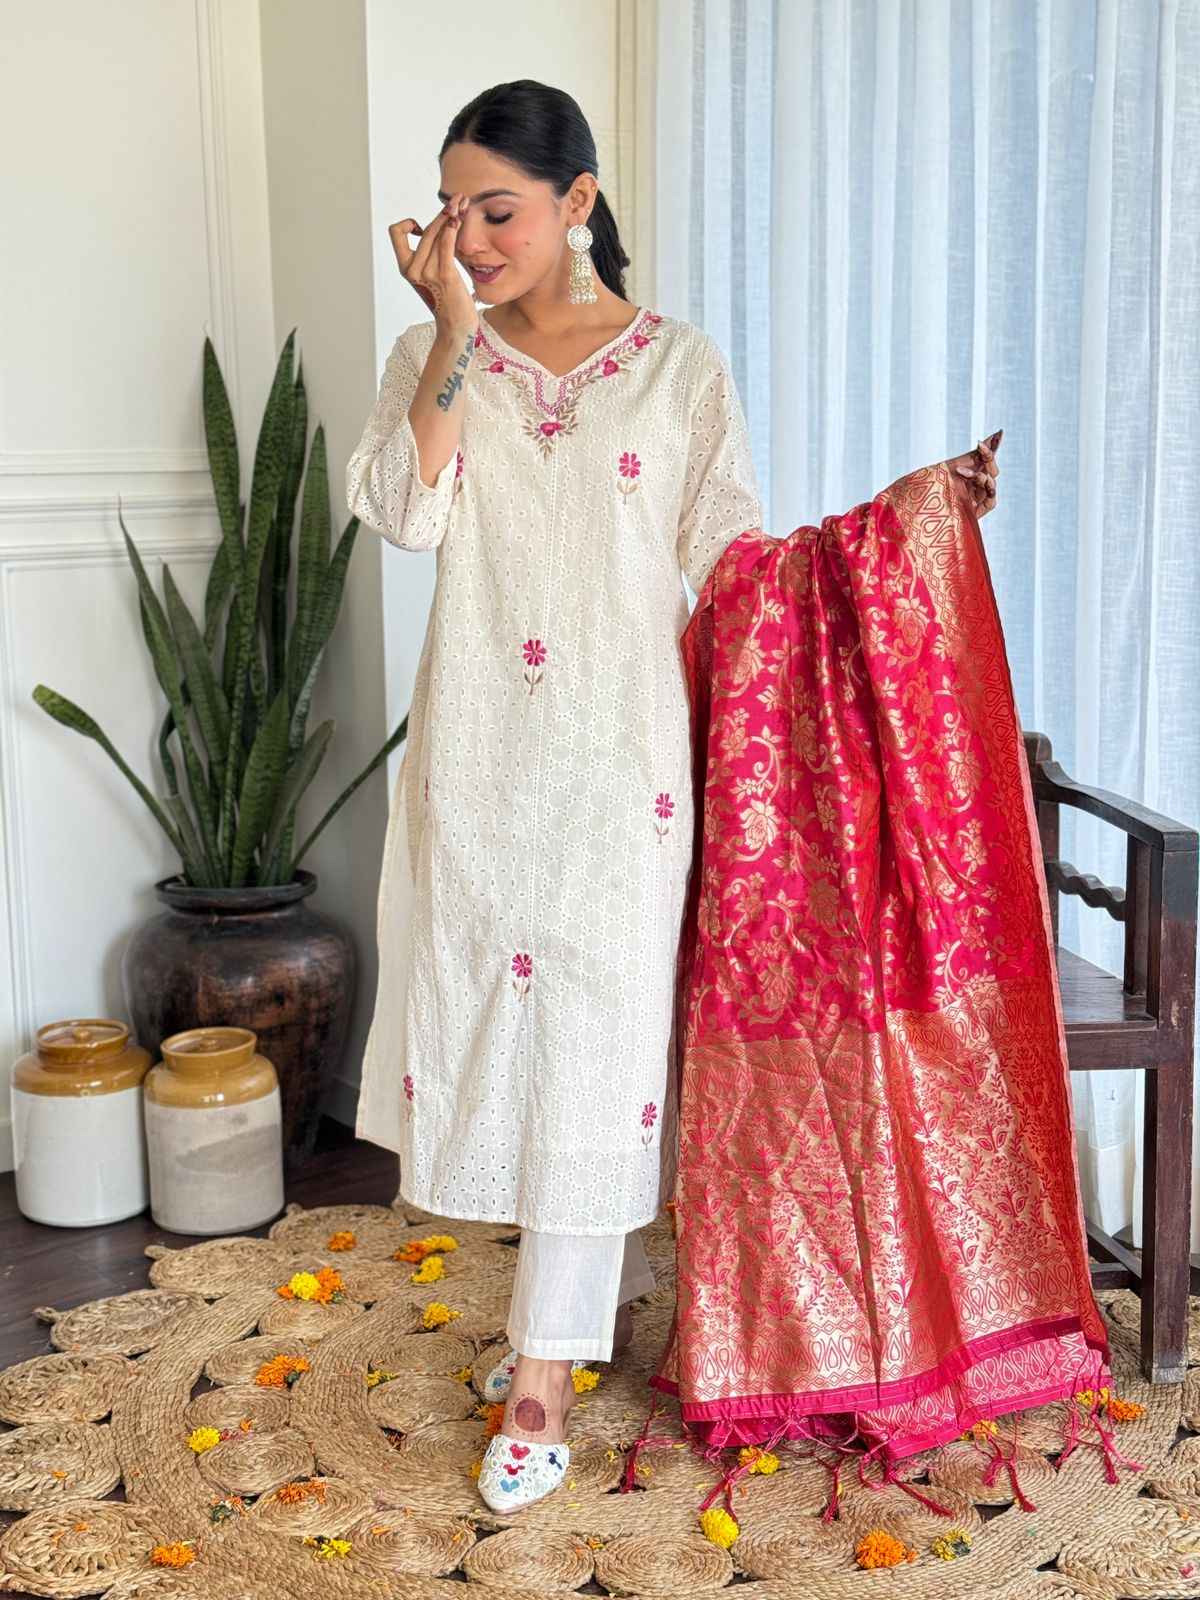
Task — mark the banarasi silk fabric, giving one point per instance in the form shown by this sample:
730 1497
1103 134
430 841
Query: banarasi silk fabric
880 1241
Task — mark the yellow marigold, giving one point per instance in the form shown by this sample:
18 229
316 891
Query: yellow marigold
430 1270
173 1555
300 1286
1124 1410
342 1240
201 1439
948 1545
440 1241
477 1466
1088 1397
760 1460
378 1376
719 1526
463 1374
280 1372
325 1549
980 1430
294 1493
879 1549
584 1379
436 1314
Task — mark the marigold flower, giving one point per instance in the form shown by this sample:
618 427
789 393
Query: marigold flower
463 1374
879 1549
173 1555
477 1466
201 1439
325 1549
948 1545
413 1251
440 1241
494 1414
378 1376
294 1493
1124 1410
300 1286
718 1526
280 1372
436 1315
760 1460
430 1270
342 1240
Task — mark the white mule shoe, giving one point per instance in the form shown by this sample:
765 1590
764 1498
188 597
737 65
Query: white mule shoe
516 1472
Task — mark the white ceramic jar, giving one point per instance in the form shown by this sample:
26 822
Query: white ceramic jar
79 1143
214 1132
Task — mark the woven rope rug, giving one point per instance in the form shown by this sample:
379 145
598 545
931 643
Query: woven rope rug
386 1465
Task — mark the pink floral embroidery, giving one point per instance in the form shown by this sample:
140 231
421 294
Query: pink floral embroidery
561 410
629 467
534 652
649 1118
408 1091
522 965
664 807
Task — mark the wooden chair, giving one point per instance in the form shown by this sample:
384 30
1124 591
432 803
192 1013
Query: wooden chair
1142 1020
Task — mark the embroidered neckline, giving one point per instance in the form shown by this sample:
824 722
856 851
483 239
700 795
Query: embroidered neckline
570 383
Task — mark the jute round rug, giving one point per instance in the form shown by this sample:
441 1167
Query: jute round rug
208 1436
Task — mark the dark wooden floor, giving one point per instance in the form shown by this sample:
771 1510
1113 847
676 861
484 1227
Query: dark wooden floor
64 1267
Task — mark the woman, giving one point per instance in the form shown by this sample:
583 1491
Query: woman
567 454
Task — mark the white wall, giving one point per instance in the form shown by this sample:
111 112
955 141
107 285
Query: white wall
226 167
134 223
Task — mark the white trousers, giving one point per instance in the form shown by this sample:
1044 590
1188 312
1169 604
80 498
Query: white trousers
567 1290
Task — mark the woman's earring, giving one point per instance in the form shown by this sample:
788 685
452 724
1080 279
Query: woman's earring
581 288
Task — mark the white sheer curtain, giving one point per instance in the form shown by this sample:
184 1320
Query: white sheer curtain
910 222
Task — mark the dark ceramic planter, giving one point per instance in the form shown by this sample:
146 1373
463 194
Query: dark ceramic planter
254 958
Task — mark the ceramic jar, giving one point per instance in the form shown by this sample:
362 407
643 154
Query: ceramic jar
77 1124
213 1129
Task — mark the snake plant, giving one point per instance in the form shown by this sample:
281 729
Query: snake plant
234 745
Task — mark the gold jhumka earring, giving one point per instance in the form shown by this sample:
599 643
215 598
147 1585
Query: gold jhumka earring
581 287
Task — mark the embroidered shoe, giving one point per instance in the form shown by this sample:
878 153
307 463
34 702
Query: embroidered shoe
516 1472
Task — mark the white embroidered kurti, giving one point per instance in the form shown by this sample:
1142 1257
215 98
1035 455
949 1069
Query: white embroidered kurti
540 836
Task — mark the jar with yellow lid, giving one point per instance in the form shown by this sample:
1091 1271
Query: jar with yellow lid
79 1142
214 1133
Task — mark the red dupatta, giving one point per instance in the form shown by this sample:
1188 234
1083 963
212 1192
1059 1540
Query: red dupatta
880 1240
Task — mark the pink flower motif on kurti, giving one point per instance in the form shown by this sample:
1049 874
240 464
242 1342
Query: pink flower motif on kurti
522 965
649 1118
534 652
664 809
629 467
408 1090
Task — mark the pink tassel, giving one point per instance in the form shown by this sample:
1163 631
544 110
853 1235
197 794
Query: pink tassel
830 1510
627 1478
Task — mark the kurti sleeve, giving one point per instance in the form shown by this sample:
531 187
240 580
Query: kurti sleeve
720 491
383 483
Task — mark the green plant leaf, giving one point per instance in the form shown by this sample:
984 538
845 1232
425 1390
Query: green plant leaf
159 639
313 560
269 466
266 768
212 710
74 717
382 755
300 774
221 438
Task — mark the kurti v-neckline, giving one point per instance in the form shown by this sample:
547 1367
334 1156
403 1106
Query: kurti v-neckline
491 336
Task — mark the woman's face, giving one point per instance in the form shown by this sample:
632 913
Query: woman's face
512 222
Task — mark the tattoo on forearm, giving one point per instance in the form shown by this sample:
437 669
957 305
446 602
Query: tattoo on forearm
454 381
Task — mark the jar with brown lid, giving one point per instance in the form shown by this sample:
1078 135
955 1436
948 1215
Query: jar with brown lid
214 1132
79 1140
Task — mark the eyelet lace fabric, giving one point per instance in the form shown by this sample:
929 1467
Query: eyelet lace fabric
540 834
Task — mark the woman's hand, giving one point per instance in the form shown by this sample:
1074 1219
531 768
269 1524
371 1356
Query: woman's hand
978 470
431 267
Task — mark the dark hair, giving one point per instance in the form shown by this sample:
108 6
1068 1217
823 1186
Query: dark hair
542 130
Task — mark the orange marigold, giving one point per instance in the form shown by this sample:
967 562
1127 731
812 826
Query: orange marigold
173 1555
280 1372
879 1549
1124 1410
343 1239
299 1490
